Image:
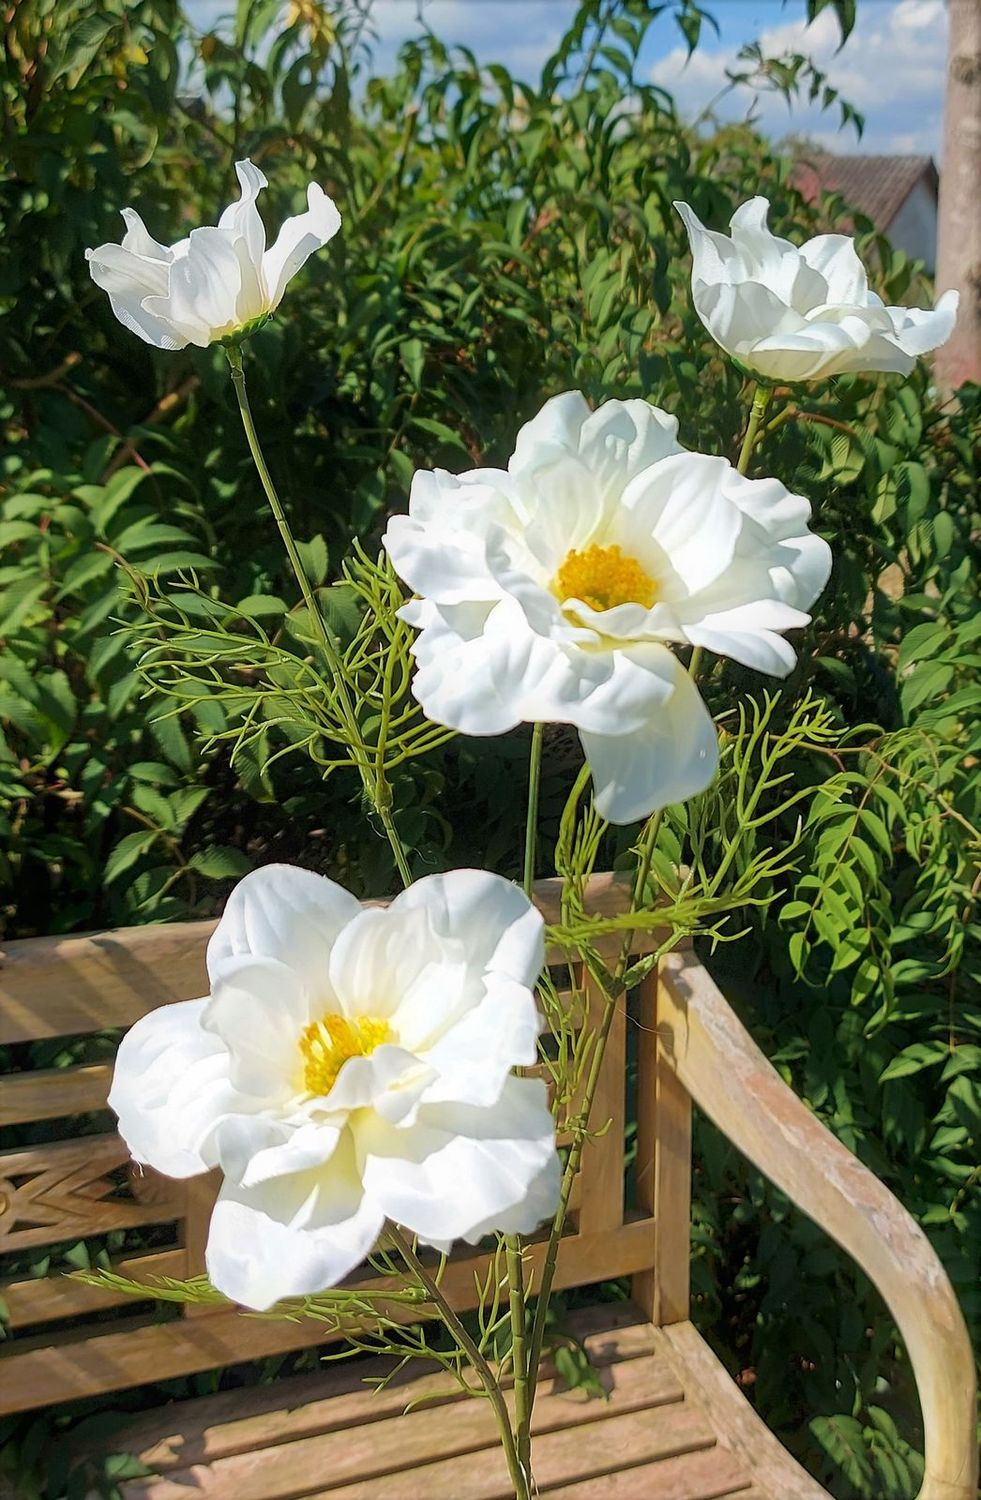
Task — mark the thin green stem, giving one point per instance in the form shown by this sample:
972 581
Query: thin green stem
234 354
531 820
512 1243
489 1381
398 848
761 400
580 1129
376 789
518 1314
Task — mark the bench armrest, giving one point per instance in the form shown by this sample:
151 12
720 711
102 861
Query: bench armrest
728 1077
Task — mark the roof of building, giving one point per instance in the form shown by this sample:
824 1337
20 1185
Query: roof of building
877 186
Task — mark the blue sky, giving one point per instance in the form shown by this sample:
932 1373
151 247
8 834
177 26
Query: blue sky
891 68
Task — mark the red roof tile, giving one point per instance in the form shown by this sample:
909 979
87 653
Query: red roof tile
877 186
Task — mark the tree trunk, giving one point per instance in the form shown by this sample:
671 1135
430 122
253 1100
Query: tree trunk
959 227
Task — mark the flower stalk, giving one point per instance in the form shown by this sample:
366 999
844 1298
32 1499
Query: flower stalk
486 1376
376 791
758 410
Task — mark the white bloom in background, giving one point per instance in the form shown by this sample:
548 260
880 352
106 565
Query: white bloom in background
218 280
790 312
351 1065
551 591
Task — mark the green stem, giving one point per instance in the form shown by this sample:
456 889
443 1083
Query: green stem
234 354
485 1374
398 848
581 1128
531 820
375 788
761 400
512 1243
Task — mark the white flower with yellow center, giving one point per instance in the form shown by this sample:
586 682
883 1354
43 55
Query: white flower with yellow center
553 591
219 281
805 312
351 1065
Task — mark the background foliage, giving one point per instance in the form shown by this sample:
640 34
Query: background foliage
503 240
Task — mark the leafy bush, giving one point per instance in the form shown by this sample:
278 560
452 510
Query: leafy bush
502 241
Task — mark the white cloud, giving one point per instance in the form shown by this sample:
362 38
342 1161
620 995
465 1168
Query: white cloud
891 68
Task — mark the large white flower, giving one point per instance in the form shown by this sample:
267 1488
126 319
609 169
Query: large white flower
550 591
801 313
351 1065
216 282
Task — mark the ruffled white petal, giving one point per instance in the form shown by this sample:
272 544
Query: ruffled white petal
259 1007
460 1169
472 1059
284 913
291 1236
669 759
489 917
170 1086
203 290
130 278
242 218
297 240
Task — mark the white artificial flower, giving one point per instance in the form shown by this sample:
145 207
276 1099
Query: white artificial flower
550 591
790 312
218 281
351 1065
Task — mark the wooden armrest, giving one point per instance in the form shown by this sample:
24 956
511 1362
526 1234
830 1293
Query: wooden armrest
728 1077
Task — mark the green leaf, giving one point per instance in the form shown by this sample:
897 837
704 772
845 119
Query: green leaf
220 862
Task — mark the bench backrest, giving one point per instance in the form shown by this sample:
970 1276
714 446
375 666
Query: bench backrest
74 1181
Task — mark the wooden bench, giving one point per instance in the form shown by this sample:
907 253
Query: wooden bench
674 1426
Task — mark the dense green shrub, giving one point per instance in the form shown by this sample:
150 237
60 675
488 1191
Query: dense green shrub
502 242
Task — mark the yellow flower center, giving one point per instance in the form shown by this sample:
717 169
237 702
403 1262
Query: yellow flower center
327 1044
604 577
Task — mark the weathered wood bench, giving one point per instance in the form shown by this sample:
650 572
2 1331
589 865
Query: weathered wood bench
675 1426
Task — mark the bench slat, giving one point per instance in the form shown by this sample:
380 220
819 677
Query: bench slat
438 1447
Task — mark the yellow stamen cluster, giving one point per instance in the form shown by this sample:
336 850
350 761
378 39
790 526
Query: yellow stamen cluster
327 1044
604 577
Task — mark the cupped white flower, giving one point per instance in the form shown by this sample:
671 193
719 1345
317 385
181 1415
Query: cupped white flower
351 1065
790 312
553 591
219 280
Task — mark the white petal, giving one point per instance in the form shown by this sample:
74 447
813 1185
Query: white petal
714 256
740 317
682 503
284 913
622 438
473 1058
203 294
291 1236
461 1169
303 1148
390 1081
834 256
491 919
242 218
259 1008
668 760
507 674
613 443
379 955
918 332
297 240
138 239
170 1084
743 635
439 549
129 279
